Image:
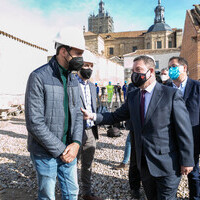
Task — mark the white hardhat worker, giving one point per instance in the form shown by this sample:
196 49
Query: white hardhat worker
70 36
86 71
88 57
70 45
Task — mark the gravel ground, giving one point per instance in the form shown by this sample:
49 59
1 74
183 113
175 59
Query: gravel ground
18 179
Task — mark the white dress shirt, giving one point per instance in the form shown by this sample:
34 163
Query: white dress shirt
87 99
182 86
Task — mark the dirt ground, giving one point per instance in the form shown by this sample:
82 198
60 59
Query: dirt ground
20 194
15 168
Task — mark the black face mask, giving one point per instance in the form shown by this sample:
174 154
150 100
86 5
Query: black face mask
138 79
86 73
75 63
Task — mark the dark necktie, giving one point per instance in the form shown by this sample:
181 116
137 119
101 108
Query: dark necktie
142 106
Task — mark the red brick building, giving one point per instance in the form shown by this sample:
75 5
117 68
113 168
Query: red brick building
190 49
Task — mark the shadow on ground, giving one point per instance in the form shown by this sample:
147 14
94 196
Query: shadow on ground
13 134
18 172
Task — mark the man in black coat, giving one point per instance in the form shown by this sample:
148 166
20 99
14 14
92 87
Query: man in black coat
191 94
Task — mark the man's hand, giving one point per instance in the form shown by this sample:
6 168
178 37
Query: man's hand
186 170
87 115
70 153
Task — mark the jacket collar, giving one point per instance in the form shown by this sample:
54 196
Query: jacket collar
150 88
188 88
55 67
155 99
71 79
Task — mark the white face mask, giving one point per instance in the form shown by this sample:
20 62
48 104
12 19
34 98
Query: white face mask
164 77
181 68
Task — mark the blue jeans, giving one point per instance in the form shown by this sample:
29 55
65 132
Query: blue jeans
124 95
48 168
127 151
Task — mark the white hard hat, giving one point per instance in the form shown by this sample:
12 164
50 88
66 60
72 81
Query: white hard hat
70 36
88 57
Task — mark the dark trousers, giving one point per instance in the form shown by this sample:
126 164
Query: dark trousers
194 180
159 188
134 174
87 156
98 100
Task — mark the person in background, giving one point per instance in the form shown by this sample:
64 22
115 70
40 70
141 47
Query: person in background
115 92
119 92
90 134
164 75
53 118
110 91
127 153
124 88
97 93
103 94
158 78
190 90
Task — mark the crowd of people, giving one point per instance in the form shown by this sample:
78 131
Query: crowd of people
162 119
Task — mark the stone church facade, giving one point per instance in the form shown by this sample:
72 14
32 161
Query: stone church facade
159 36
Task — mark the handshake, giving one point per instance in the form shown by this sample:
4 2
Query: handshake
87 115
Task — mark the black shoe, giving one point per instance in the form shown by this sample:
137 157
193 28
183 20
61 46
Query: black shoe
135 194
121 166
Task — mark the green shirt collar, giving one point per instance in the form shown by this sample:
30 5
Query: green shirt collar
63 70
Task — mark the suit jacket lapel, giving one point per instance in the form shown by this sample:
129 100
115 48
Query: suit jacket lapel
82 97
187 89
93 96
155 99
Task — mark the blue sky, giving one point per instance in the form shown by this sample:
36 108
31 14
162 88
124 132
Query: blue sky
127 14
38 21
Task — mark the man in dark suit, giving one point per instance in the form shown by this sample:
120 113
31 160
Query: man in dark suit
191 94
162 131
88 99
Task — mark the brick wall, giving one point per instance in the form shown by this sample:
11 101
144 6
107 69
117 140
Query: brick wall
190 48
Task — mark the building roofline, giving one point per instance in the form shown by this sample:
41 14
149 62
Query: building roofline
89 33
151 51
194 15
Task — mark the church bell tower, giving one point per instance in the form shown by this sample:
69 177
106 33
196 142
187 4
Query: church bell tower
102 22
